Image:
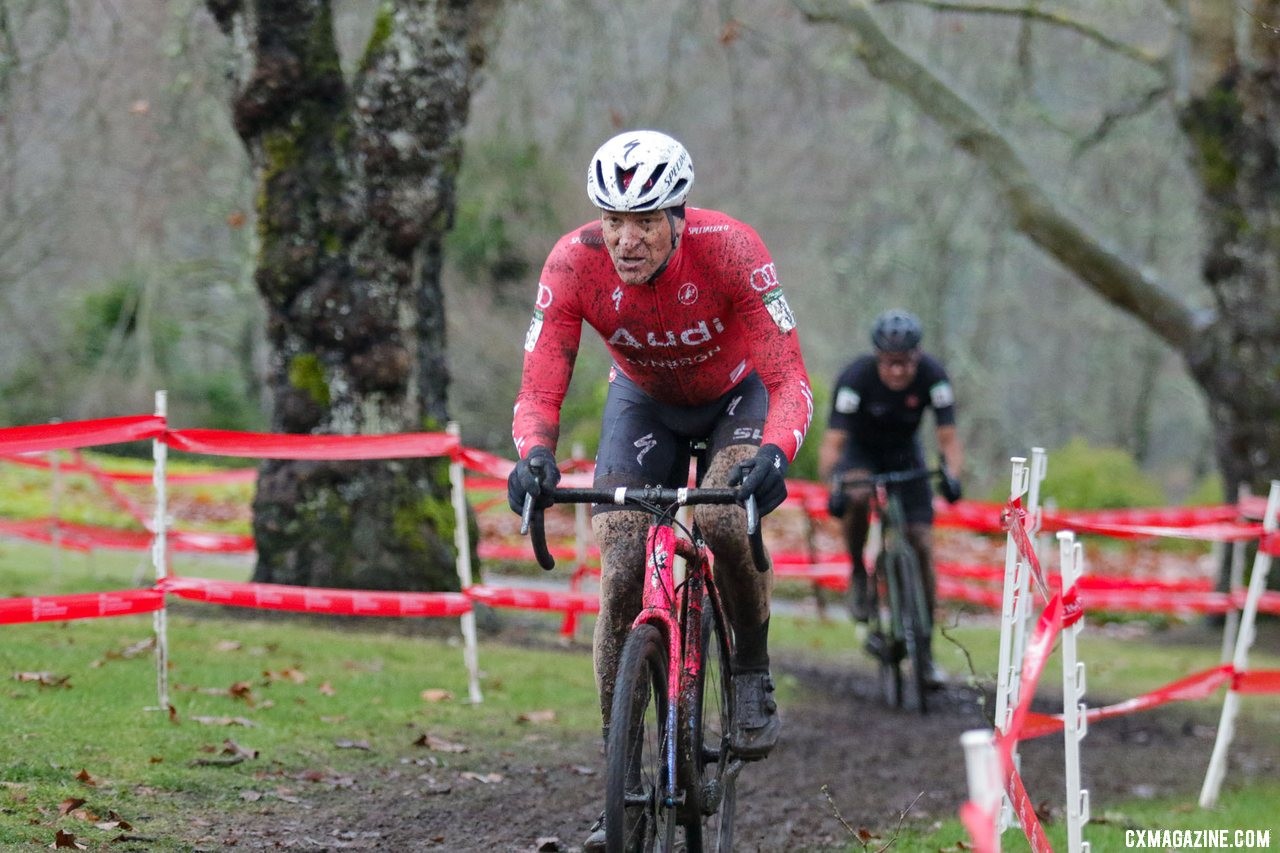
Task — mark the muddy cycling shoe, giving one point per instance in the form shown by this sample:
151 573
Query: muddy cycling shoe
596 839
755 715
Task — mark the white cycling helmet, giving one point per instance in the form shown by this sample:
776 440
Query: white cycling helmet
639 170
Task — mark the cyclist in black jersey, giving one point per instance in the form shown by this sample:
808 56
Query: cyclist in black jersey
878 405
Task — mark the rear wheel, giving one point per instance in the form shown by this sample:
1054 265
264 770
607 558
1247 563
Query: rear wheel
636 818
711 790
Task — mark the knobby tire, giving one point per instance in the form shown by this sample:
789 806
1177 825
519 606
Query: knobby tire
889 652
711 791
916 627
635 768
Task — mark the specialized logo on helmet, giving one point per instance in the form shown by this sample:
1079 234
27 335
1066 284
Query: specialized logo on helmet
639 171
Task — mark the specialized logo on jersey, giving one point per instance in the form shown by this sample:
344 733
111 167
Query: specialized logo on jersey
544 297
764 278
942 395
687 294
535 331
847 401
799 435
779 310
645 443
693 336
617 300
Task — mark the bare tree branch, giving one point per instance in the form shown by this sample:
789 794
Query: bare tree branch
1035 213
1057 19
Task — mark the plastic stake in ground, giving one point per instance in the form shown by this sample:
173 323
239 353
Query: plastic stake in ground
982 771
160 556
1240 662
1006 673
462 542
1075 722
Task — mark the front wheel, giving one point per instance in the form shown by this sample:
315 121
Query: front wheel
916 627
636 816
711 787
884 643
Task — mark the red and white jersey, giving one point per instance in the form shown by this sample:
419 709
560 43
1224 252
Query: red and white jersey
715 314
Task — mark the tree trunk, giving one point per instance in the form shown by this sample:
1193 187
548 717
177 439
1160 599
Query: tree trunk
1233 128
1233 132
355 194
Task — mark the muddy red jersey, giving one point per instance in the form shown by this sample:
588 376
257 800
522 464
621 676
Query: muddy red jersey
716 313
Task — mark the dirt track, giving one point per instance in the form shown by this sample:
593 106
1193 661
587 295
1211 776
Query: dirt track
840 750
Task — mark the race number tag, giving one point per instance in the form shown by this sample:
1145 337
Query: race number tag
779 310
847 401
941 395
535 330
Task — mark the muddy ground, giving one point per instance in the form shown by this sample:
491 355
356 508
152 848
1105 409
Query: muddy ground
845 762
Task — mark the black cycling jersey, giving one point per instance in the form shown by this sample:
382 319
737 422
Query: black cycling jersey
883 425
885 421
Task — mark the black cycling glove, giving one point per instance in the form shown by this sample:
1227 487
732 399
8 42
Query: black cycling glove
536 474
947 484
764 476
838 500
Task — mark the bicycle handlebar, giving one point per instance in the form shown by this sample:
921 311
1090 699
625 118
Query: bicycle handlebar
532 519
892 477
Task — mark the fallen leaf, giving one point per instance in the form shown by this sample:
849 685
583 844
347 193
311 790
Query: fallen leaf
296 676
230 747
436 694
227 646
250 796
241 690
114 821
352 744
84 778
44 679
583 770
85 815
326 689
225 721
485 778
544 716
70 804
67 841
439 744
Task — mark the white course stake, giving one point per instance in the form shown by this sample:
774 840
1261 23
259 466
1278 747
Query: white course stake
1007 671
982 771
1022 622
462 542
1075 723
160 557
1240 661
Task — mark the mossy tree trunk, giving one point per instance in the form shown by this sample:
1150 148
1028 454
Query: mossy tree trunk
1231 119
1232 124
355 183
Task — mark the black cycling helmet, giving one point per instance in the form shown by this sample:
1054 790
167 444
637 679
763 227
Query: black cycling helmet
896 331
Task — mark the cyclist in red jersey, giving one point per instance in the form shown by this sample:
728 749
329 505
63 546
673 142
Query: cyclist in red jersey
704 347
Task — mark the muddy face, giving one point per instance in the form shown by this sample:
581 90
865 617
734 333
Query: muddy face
640 243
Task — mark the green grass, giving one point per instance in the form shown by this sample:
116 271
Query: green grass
329 698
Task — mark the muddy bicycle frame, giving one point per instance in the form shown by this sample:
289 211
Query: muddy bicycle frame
676 610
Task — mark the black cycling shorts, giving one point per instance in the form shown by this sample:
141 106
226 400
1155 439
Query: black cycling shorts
647 443
917 495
